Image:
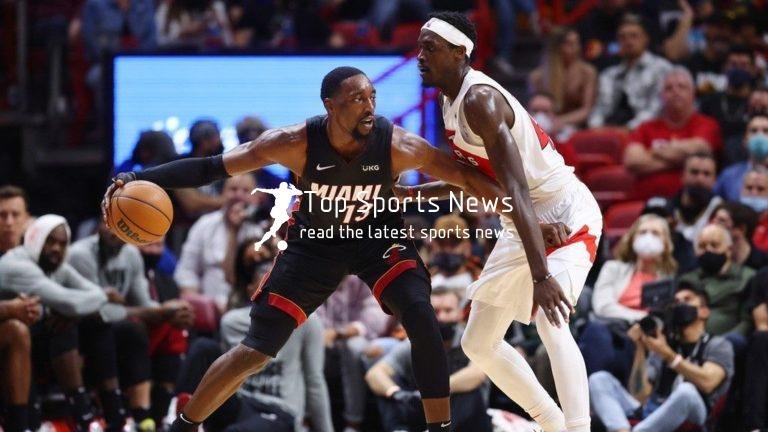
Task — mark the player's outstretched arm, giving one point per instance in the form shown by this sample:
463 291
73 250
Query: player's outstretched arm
410 151
284 146
424 191
490 116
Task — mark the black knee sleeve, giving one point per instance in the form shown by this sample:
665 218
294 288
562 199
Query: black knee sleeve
407 296
430 365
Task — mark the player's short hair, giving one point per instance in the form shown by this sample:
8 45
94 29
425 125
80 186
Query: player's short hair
333 79
10 191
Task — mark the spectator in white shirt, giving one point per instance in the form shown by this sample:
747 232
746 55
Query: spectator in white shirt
200 268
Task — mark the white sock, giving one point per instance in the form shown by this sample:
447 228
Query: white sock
484 344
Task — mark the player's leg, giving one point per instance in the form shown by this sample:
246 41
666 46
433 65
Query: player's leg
407 296
565 357
483 342
300 281
270 329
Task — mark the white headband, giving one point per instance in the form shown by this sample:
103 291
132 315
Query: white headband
449 33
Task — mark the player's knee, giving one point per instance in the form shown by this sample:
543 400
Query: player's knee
18 334
419 320
246 360
476 344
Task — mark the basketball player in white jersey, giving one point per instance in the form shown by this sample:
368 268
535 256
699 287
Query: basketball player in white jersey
522 280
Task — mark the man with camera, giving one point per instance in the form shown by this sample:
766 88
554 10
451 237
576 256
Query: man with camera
679 372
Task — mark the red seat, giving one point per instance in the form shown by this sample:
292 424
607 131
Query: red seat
609 184
605 141
620 217
206 312
588 162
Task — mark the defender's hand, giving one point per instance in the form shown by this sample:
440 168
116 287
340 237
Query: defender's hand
550 297
554 234
117 182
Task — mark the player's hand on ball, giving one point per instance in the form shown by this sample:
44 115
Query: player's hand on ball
554 234
117 182
548 295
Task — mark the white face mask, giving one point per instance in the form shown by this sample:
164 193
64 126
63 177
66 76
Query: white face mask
648 245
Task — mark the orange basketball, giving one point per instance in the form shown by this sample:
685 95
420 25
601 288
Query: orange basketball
140 212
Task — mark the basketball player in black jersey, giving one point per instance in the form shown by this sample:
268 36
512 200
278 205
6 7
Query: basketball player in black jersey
344 155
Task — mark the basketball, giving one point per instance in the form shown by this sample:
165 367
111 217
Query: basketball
140 212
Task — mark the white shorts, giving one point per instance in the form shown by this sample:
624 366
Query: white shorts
506 279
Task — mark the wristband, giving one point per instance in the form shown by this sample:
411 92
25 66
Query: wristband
675 361
548 276
392 390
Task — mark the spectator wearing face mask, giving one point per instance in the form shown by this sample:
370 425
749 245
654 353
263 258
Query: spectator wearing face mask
680 373
450 260
731 180
644 255
740 221
730 106
542 109
391 378
754 193
696 201
724 281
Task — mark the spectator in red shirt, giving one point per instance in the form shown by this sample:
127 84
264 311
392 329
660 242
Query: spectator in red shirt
658 147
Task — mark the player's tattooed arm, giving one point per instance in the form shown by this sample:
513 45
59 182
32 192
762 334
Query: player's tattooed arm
489 115
285 146
410 151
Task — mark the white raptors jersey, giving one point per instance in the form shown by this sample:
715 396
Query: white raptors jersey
545 170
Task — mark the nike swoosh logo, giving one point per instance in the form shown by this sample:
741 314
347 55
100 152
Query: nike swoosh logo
442 425
323 168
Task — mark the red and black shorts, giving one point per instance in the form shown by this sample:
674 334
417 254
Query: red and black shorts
307 272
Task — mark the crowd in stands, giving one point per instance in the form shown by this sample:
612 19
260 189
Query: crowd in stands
661 107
